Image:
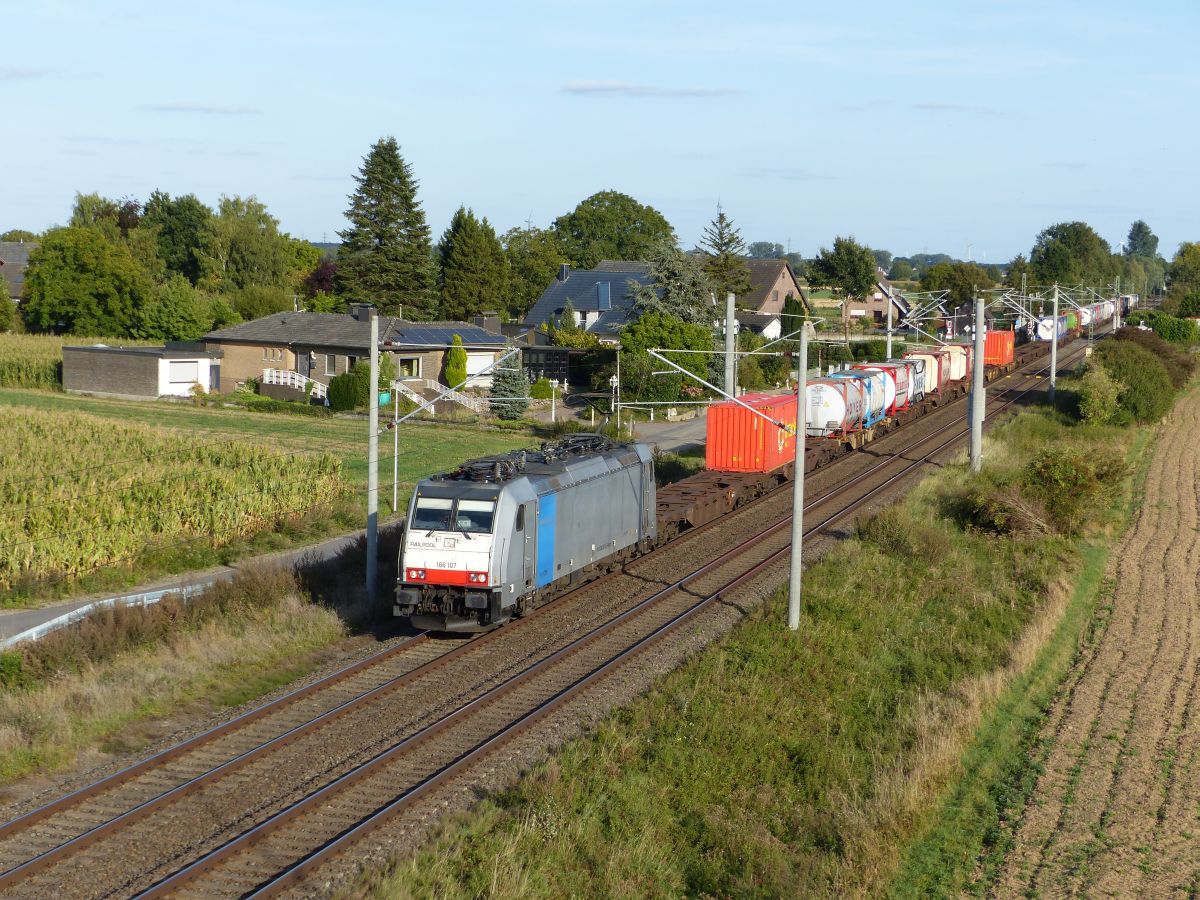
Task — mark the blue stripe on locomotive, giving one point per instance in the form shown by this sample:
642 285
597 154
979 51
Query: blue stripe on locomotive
547 504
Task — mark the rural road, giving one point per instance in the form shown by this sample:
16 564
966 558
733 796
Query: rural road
1116 810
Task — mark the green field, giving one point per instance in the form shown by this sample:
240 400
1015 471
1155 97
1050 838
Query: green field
425 448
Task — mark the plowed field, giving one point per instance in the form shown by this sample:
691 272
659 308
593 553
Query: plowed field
1116 811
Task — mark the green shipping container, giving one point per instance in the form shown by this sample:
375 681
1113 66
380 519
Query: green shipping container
1072 321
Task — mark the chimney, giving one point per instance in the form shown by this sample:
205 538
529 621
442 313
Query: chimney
488 321
361 312
564 271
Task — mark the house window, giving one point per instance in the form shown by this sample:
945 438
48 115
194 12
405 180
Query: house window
331 364
408 367
774 296
266 353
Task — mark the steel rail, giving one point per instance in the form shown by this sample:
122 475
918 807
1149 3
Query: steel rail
313 860
141 810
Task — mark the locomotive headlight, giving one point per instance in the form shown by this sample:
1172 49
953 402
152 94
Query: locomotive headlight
477 577
416 574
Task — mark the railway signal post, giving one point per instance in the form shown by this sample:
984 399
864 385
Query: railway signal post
797 571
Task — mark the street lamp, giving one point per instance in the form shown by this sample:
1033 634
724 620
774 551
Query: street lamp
613 381
553 391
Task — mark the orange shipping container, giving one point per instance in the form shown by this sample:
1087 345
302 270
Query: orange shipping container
998 348
739 441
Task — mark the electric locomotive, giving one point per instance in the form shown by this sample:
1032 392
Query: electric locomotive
498 535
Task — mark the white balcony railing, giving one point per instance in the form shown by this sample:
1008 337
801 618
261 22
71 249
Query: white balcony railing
288 378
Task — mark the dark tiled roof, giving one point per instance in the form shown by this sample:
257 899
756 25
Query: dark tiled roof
755 319
623 265
164 352
14 257
345 332
763 275
583 287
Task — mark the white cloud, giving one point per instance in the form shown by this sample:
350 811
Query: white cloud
206 109
628 89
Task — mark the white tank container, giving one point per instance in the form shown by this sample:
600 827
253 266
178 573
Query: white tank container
834 405
936 374
895 387
876 392
959 359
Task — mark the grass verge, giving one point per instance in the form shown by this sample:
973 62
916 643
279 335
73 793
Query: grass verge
961 850
803 764
94 686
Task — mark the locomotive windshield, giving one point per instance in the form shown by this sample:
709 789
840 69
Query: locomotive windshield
444 514
432 514
474 516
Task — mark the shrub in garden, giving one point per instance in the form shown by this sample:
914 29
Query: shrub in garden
343 391
456 363
541 390
510 391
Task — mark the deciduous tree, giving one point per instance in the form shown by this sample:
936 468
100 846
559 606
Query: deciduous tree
765 250
611 225
386 257
18 234
961 279
176 311
1141 241
181 223
242 247
534 255
848 267
1071 253
81 282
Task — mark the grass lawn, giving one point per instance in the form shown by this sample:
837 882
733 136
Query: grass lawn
424 448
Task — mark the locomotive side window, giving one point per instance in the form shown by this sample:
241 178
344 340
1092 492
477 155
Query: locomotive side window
432 514
521 518
475 516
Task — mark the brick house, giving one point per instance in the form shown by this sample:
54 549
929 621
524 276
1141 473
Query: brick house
772 281
173 370
601 297
872 309
298 347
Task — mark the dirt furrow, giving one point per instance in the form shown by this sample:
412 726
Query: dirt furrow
1115 806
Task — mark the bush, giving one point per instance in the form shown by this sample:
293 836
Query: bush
1099 396
456 363
1070 482
343 391
1177 331
1147 391
541 389
1178 362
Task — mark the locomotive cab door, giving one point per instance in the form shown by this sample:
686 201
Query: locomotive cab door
526 519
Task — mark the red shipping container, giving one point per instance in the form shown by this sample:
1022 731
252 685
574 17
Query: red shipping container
998 348
739 441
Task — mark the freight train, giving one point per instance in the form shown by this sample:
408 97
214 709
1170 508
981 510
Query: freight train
501 535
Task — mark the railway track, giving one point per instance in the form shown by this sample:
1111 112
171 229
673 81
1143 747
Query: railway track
101 840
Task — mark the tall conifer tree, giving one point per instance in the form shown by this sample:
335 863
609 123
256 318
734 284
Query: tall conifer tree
475 271
386 257
725 265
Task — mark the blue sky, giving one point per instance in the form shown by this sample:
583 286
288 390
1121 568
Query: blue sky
918 126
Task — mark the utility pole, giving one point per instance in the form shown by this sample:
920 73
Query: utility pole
977 390
373 462
396 452
730 347
1054 348
796 574
887 298
1117 305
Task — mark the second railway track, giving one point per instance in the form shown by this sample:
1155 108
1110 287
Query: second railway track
228 814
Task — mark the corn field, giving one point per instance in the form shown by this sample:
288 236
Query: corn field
35 360
78 492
